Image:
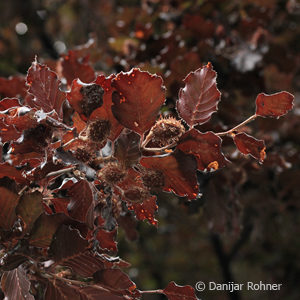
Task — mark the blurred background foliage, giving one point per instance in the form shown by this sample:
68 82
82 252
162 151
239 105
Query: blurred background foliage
246 226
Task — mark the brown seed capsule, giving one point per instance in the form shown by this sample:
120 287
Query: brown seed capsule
112 173
98 130
153 179
136 194
167 131
82 154
92 98
40 134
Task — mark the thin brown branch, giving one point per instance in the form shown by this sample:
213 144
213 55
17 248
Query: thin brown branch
159 149
236 128
60 172
152 292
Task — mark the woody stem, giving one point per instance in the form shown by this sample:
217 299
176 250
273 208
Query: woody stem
230 131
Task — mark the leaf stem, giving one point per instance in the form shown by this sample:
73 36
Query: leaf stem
69 142
60 172
159 149
230 131
152 292
147 139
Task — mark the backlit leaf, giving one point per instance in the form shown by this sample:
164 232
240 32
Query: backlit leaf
10 171
106 239
206 147
81 204
74 66
274 105
249 145
177 292
179 171
127 149
105 111
11 262
199 98
138 99
8 203
9 103
30 208
16 285
114 278
61 290
67 243
145 210
85 98
13 86
44 86
44 229
84 263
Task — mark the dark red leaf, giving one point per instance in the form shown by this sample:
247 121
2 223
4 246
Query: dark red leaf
105 111
44 86
138 197
11 262
179 172
199 98
106 239
7 170
115 279
127 149
128 223
9 103
249 145
31 159
137 90
81 204
59 289
84 263
30 208
177 292
14 86
44 228
74 66
145 210
60 205
67 243
7 133
274 105
206 147
85 98
8 203
16 285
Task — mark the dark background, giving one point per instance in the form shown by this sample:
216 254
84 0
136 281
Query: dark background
246 226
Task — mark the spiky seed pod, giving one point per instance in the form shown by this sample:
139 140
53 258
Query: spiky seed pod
82 154
153 179
41 135
98 130
112 173
167 131
92 98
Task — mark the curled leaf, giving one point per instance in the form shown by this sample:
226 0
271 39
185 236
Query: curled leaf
177 292
249 145
179 170
206 147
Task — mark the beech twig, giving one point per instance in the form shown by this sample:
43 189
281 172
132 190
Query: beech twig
230 131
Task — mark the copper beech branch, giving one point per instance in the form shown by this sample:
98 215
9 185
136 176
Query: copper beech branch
231 131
